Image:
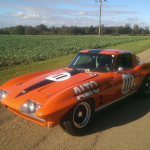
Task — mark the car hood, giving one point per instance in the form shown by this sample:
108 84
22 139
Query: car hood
45 85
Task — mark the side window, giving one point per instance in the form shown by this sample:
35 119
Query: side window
124 61
129 63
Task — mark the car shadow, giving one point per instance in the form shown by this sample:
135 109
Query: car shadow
119 114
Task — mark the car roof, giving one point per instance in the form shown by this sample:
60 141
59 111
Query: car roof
106 51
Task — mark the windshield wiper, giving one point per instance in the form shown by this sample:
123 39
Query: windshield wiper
81 69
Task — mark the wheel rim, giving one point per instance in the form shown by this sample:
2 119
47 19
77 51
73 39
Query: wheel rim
147 85
81 115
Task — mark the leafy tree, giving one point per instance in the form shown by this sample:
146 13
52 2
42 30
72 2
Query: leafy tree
147 30
40 28
29 30
20 30
6 32
136 29
127 29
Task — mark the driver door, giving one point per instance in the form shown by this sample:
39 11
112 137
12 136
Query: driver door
126 79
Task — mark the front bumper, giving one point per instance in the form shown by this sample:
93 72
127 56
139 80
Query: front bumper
44 122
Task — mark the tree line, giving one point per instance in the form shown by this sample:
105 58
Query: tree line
73 30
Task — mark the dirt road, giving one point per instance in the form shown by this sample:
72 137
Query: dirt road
125 126
145 55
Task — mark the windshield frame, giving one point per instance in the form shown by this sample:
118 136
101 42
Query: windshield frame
96 56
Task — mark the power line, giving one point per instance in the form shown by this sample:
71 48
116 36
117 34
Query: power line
112 8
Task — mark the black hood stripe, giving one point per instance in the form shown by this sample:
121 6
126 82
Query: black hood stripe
73 72
35 86
43 83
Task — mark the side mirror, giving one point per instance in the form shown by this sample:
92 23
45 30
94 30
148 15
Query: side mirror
120 70
137 58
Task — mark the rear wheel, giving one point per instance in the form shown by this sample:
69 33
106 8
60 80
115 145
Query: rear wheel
145 87
79 118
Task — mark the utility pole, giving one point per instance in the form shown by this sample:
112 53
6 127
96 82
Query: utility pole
100 1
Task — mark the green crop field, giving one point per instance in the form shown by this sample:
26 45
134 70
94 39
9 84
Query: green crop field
17 49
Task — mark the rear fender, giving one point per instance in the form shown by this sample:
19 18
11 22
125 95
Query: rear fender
144 68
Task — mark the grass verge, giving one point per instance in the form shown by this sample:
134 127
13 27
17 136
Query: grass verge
135 47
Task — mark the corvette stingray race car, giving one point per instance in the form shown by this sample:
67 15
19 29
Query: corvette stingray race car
70 97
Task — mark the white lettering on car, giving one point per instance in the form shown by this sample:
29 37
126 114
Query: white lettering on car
86 90
93 82
128 80
59 77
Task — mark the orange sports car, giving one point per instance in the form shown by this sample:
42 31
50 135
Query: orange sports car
70 97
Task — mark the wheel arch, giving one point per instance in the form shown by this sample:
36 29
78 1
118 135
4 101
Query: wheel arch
143 79
68 122
145 92
90 98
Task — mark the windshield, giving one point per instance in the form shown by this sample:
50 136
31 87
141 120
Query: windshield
93 62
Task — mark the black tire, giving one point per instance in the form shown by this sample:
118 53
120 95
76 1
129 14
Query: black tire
145 87
79 118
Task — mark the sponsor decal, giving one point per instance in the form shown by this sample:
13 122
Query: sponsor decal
128 80
86 90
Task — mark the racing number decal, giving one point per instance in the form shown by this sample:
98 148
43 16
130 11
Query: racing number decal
59 77
128 80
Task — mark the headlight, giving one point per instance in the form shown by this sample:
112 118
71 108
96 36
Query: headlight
30 106
3 94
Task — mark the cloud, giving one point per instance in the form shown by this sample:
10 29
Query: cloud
132 19
81 13
111 18
58 21
49 3
47 12
26 16
68 12
19 14
120 12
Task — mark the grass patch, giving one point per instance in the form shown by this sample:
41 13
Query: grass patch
14 71
135 47
61 62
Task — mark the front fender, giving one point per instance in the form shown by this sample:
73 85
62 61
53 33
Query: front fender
24 78
57 105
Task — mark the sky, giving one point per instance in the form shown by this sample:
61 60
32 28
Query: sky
74 12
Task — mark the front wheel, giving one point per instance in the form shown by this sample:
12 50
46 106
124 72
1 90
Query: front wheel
79 118
145 87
